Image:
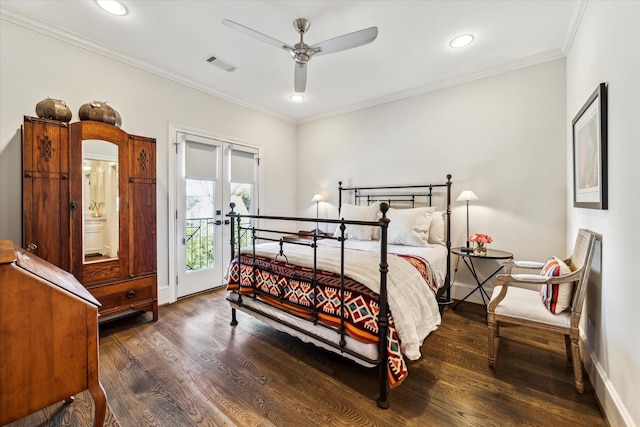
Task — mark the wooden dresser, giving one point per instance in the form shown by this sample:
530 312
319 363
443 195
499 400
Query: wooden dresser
48 337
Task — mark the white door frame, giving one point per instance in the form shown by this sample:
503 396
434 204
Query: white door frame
170 294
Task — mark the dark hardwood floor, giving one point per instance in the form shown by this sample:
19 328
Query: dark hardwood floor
191 368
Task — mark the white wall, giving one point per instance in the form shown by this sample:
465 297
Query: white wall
502 137
34 66
607 49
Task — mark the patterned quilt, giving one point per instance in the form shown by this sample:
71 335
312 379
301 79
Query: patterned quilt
290 288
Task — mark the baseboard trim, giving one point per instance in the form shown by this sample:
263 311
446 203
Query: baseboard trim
164 295
614 410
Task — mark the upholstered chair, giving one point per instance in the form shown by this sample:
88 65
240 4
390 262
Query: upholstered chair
543 308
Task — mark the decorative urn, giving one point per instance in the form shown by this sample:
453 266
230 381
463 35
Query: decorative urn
54 109
100 112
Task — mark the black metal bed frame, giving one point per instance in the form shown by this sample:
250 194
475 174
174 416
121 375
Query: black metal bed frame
371 195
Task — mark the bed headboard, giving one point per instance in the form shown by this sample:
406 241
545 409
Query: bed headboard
409 196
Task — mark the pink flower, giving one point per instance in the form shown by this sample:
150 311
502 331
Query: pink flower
480 238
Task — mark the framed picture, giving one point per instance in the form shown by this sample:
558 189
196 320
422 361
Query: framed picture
590 152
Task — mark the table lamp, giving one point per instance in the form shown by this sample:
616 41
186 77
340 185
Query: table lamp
465 196
317 198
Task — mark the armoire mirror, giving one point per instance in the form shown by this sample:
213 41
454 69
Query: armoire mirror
98 192
100 201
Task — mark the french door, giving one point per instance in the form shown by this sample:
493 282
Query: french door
210 173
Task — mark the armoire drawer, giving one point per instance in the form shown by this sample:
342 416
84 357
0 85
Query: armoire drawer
127 295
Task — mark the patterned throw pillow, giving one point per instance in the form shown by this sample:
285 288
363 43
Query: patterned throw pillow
556 297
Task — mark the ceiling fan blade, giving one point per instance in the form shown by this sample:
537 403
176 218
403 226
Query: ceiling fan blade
253 33
300 77
347 41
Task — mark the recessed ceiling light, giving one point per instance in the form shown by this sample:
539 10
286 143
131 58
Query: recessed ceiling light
296 98
114 7
461 41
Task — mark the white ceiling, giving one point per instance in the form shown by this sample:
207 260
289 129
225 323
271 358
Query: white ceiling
410 56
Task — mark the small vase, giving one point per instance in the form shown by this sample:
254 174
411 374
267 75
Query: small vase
480 249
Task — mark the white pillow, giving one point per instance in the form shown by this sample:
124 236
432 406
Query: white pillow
409 227
358 213
436 231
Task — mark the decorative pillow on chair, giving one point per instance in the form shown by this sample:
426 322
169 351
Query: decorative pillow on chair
556 297
409 227
358 213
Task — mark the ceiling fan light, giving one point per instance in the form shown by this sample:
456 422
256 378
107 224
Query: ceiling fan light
296 98
113 7
461 41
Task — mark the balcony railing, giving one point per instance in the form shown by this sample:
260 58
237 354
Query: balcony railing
200 243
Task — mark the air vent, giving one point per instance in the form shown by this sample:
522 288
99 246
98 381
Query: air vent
221 64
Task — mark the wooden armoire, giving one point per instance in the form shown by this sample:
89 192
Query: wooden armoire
89 207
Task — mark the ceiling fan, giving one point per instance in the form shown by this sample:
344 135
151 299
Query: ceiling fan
302 52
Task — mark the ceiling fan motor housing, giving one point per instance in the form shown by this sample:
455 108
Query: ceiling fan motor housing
301 25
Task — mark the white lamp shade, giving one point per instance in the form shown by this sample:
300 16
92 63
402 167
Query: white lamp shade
317 198
466 196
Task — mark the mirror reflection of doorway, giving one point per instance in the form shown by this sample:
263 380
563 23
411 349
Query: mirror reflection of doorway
100 201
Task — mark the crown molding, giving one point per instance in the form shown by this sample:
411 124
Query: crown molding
100 49
572 25
529 61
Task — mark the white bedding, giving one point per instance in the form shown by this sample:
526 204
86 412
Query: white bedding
436 254
412 303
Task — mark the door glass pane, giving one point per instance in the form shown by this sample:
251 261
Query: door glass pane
200 224
242 196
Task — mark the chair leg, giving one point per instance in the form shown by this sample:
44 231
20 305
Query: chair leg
491 350
577 364
567 345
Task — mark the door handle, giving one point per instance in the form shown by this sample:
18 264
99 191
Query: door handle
218 222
